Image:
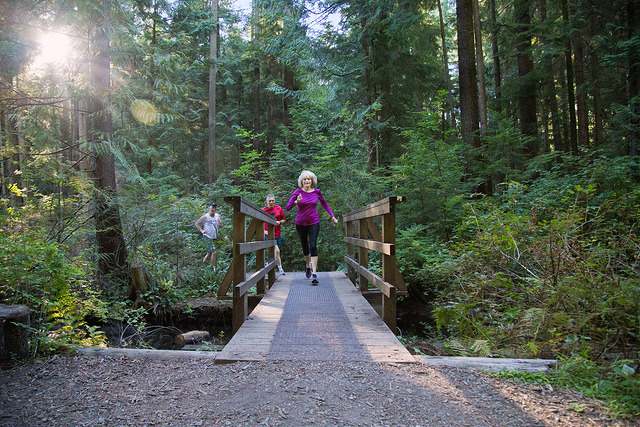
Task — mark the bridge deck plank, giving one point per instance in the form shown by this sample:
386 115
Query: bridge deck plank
253 341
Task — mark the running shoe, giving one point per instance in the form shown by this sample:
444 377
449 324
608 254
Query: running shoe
314 281
308 272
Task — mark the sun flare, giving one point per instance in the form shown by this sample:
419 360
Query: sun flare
54 48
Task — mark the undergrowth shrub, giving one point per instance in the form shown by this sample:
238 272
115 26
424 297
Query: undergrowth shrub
551 270
615 384
549 278
162 235
421 261
39 274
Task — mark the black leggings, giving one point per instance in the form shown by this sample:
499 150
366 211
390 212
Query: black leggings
308 236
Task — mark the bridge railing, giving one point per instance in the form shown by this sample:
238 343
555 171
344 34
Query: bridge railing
363 232
243 244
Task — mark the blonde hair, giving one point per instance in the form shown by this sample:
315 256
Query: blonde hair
308 174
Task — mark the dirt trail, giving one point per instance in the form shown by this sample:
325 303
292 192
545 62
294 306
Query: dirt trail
118 391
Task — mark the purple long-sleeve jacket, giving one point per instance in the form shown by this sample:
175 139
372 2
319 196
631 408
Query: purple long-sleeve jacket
307 207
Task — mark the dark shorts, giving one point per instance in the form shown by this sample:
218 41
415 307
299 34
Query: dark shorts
278 241
211 244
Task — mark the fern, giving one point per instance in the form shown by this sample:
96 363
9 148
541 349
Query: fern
481 348
457 348
533 320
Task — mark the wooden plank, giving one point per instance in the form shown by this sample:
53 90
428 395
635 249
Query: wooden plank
489 364
247 208
226 281
350 251
254 227
373 229
243 287
260 324
377 341
244 248
363 254
240 308
380 207
253 340
147 354
384 287
384 248
376 235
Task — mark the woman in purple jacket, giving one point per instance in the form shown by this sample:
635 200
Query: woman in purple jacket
307 219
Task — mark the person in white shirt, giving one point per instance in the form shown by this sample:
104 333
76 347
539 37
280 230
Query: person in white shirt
209 224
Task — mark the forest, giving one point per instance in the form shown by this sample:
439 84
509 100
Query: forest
512 129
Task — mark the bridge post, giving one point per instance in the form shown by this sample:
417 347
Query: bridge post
351 272
363 253
389 309
260 288
272 253
389 268
240 302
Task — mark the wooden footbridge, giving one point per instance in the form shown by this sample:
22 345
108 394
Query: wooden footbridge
298 321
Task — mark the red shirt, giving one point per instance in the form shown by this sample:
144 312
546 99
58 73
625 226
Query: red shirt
279 214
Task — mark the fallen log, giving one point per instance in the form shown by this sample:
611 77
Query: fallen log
146 354
488 364
192 337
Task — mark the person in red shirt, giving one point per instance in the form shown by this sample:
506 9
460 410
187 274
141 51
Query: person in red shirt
278 213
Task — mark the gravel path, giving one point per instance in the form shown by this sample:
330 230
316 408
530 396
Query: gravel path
117 391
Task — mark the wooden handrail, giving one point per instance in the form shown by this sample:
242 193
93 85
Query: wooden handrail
243 244
371 238
383 248
378 208
385 287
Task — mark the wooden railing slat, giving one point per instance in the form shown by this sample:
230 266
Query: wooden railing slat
248 208
243 248
378 208
244 287
384 248
385 287
382 242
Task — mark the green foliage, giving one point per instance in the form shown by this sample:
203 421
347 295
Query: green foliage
37 273
160 228
423 262
429 173
469 348
65 327
556 273
615 384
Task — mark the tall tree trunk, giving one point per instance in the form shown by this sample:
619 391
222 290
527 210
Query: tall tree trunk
497 78
633 79
85 161
482 92
468 81
581 92
598 117
368 97
213 72
287 73
13 162
596 28
112 251
445 59
527 93
571 102
256 91
550 101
